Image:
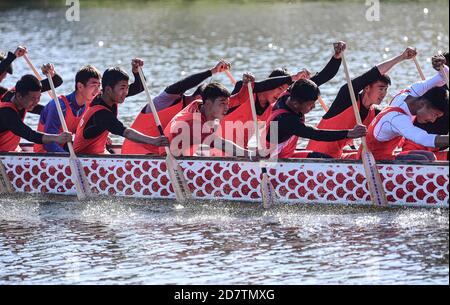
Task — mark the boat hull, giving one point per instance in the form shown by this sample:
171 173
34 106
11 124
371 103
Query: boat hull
302 181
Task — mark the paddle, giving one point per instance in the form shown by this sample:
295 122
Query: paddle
267 192
419 69
36 73
232 80
179 184
78 175
375 185
5 184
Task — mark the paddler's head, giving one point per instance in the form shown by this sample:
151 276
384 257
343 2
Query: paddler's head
431 106
304 94
271 96
215 101
376 91
87 83
28 92
115 84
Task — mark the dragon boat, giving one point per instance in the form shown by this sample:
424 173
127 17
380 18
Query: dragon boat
310 181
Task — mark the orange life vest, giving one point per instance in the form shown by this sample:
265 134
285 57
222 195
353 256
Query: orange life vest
145 123
344 120
190 116
382 150
8 140
96 145
238 126
71 122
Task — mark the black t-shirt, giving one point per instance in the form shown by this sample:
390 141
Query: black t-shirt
292 124
103 120
10 120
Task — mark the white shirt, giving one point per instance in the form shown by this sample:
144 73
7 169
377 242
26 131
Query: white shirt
396 124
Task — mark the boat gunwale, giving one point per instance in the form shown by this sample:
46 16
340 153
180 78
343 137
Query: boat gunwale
230 159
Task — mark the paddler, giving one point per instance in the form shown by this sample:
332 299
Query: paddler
370 90
194 128
426 101
87 87
25 98
286 124
168 103
266 93
441 126
100 119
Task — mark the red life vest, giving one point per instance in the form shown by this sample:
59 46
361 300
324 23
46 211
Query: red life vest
191 116
344 120
96 145
408 145
145 123
242 115
281 150
8 140
382 150
71 122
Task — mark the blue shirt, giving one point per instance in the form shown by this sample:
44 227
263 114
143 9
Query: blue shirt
50 119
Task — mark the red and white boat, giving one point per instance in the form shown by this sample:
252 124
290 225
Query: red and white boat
332 182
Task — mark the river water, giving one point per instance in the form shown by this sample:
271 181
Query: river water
57 240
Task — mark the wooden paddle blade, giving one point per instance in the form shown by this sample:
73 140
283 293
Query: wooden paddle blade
81 182
179 184
5 184
374 182
267 191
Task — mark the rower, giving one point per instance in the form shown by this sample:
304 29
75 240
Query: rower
87 87
426 102
100 119
6 68
370 90
287 124
168 103
12 113
195 126
266 93
441 126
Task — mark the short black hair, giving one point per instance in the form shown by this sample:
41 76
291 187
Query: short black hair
437 98
9 69
28 83
384 78
113 76
304 90
85 74
279 72
214 90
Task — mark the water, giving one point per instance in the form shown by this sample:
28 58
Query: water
57 240
48 240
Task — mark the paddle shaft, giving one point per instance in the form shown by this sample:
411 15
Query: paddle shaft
35 71
61 116
370 167
179 184
322 103
153 108
353 98
231 78
419 69
254 116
